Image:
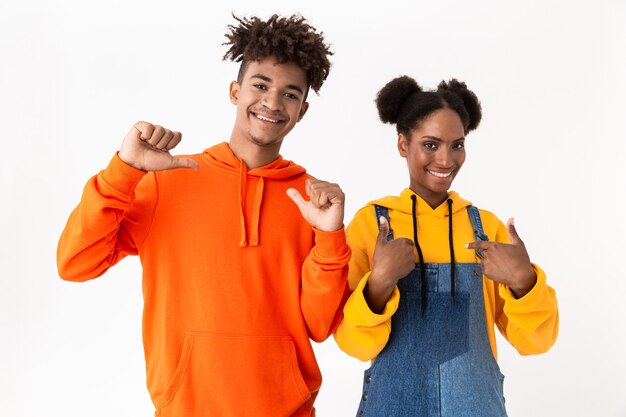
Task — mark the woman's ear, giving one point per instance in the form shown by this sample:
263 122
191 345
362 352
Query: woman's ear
403 145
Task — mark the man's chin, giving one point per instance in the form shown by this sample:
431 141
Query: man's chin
266 142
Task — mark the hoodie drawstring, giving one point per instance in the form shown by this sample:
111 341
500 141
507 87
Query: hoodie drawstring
249 205
256 213
243 180
256 208
421 256
450 241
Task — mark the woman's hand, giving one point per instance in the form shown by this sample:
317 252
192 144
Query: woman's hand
507 263
392 261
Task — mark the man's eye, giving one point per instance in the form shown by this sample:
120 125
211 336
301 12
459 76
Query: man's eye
260 86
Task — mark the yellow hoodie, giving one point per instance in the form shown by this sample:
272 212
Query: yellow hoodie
530 323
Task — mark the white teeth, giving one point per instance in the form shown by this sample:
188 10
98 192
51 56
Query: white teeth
441 174
265 119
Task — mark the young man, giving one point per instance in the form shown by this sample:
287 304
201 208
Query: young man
237 277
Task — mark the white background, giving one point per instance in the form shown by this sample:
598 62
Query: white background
75 76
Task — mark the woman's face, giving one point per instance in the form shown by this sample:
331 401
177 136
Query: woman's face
435 153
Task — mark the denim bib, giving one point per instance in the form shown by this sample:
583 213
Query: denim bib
437 362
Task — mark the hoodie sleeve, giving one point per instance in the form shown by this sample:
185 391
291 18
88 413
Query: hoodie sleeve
103 228
530 323
362 333
324 283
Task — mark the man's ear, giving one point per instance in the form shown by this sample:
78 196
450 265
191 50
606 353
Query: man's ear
303 109
403 145
234 91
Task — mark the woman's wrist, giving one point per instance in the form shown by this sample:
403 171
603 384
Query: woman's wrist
526 284
377 292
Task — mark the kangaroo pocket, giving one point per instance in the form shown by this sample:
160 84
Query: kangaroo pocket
234 375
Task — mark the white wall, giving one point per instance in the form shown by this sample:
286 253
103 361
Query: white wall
75 75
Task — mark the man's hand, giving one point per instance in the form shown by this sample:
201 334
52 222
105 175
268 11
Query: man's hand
507 263
324 210
147 147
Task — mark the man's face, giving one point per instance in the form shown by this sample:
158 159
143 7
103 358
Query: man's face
269 100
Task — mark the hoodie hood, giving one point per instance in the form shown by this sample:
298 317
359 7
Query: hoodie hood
404 203
221 156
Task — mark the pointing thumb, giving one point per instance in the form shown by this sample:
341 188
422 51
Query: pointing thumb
513 236
383 230
184 163
296 197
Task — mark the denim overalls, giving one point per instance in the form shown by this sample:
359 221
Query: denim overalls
437 362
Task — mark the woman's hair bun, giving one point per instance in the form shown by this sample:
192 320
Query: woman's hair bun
392 97
469 99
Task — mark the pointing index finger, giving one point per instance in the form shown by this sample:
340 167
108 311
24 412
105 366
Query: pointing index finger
478 245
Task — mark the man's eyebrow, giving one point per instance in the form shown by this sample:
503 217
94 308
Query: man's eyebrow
295 87
269 80
262 77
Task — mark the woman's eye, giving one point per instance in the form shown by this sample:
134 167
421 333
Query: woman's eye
430 145
459 146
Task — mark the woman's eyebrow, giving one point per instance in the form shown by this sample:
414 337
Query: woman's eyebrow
436 139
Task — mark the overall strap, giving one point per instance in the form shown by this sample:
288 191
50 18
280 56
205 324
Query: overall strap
477 225
383 211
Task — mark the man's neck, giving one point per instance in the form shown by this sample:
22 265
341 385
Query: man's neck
254 156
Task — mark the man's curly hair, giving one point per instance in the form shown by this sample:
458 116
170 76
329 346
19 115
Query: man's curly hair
288 39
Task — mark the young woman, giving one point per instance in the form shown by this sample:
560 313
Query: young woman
431 274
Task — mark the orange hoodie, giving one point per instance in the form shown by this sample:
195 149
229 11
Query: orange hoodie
235 282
